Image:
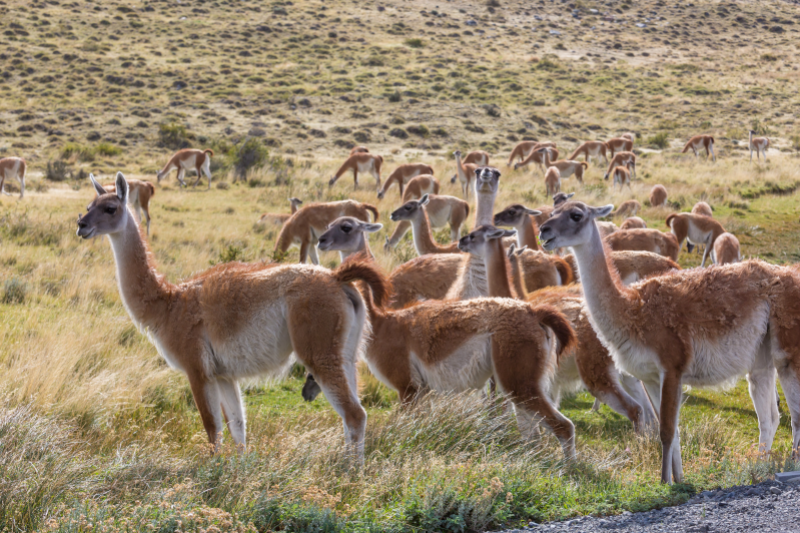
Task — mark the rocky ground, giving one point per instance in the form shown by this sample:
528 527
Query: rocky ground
769 507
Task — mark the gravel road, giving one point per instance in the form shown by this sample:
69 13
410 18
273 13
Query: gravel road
769 507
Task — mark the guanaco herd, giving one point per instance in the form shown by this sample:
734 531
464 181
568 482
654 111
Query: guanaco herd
616 316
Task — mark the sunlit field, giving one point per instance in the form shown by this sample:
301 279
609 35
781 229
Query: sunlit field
98 434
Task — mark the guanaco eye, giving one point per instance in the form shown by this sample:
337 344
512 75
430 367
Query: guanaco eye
346 229
111 210
576 217
408 208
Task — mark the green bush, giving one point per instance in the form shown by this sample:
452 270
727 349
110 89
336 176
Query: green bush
14 291
659 140
108 149
173 135
415 43
249 155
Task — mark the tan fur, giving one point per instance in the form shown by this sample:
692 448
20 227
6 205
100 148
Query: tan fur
279 219
726 249
702 208
523 220
414 211
589 149
359 150
619 144
552 180
442 210
360 162
633 223
188 159
759 144
420 185
479 158
658 196
634 266
647 240
628 208
523 149
623 177
10 168
606 228
701 327
139 195
625 160
567 168
238 320
308 223
698 229
465 173
698 142
541 156
402 174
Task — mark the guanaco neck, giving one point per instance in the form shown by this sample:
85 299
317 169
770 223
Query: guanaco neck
527 232
603 290
497 271
423 238
462 175
398 233
516 277
145 293
484 212
362 248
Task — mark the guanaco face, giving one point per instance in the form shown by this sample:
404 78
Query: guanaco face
347 234
487 180
409 210
561 197
476 242
514 215
108 213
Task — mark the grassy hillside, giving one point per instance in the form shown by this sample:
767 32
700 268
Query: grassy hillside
96 433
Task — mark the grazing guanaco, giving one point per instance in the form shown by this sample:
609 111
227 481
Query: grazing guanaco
360 162
414 211
619 144
419 185
695 229
622 159
541 156
139 195
552 180
279 219
402 174
628 208
304 227
188 159
479 158
698 327
647 240
633 223
658 196
238 320
698 142
13 167
523 149
726 249
567 168
759 144
623 177
465 172
633 265
702 208
596 149
442 210
630 136
359 150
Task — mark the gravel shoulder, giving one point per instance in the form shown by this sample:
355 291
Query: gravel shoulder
769 507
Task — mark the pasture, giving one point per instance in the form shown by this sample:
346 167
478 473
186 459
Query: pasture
98 434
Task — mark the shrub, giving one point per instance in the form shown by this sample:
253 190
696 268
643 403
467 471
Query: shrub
14 291
57 171
659 140
83 153
249 155
415 43
173 135
420 130
395 97
108 149
231 252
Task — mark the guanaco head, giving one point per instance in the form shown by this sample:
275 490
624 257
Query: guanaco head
514 251
346 234
108 213
477 241
160 175
410 209
571 224
487 180
457 153
561 197
295 202
514 215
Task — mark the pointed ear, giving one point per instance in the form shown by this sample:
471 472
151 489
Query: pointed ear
522 249
499 233
371 228
600 212
533 212
570 195
495 172
122 187
511 249
97 187
424 200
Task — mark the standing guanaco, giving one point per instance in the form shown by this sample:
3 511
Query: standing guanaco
360 162
188 159
12 167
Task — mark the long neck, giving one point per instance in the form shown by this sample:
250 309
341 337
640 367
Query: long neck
459 166
144 293
516 277
361 248
398 233
484 212
471 281
497 271
526 233
602 288
423 240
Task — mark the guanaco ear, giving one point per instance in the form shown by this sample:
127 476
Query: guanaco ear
519 252
424 200
570 195
499 233
371 228
97 187
600 212
122 187
533 212
511 249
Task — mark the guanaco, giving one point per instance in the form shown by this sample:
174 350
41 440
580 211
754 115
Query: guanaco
13 167
523 149
648 240
633 223
619 144
552 180
359 150
759 144
622 177
628 208
442 211
139 195
726 249
402 174
622 159
702 208
596 149
238 320
348 235
541 156
414 211
658 196
279 219
308 223
698 142
360 162
465 172
695 229
188 159
567 168
698 327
